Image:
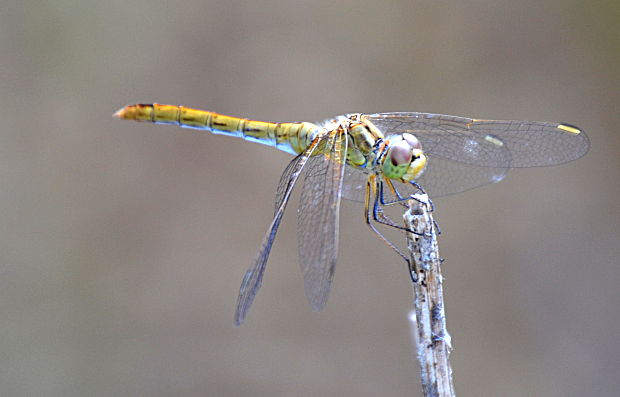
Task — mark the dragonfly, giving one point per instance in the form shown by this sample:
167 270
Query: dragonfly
378 159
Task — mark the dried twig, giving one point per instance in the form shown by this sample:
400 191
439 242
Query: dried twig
428 320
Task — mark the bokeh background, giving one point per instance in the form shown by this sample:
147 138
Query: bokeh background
122 245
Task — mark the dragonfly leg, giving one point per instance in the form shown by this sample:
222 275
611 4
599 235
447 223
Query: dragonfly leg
401 199
411 271
378 214
430 203
421 189
385 220
371 186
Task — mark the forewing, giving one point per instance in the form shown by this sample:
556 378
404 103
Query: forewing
317 226
480 142
254 275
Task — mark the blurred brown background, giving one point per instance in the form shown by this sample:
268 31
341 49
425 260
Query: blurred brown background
122 245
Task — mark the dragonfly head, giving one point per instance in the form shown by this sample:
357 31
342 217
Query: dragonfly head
404 158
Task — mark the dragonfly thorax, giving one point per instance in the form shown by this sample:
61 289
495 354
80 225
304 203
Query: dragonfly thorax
363 137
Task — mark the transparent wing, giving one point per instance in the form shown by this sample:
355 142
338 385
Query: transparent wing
478 142
442 177
254 275
354 184
317 224
283 184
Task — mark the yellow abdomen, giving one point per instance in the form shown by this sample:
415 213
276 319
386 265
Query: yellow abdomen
289 137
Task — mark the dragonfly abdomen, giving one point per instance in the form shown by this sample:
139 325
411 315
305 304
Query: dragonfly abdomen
289 137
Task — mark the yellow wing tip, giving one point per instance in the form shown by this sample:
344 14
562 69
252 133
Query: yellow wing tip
569 128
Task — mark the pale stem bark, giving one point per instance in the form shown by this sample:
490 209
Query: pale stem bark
428 318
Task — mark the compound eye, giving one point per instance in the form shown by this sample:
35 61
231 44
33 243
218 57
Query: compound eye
400 153
412 140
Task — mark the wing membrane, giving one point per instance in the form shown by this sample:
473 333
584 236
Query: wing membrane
253 277
317 224
283 184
